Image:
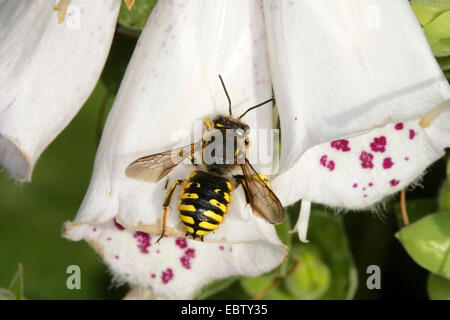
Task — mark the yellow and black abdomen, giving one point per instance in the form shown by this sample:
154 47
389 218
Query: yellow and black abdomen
204 202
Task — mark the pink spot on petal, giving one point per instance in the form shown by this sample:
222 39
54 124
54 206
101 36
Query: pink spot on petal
366 160
143 240
370 184
221 248
394 182
387 163
167 275
365 196
296 118
327 164
109 238
399 126
341 145
378 144
153 275
412 134
323 160
355 185
331 165
94 229
406 159
185 262
190 253
118 225
181 242
116 257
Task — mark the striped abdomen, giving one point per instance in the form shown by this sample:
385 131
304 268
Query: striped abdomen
204 201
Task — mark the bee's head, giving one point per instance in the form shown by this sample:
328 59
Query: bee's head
240 129
228 139
228 122
228 126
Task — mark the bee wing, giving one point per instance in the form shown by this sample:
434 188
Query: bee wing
260 196
156 166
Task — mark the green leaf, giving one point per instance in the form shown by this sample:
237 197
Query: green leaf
215 287
447 75
286 237
283 231
326 269
416 209
137 16
444 196
426 10
438 34
327 234
438 287
254 286
444 63
427 241
119 56
5 294
311 278
16 286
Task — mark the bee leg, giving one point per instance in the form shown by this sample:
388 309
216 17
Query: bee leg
193 161
164 224
166 184
201 238
166 203
207 123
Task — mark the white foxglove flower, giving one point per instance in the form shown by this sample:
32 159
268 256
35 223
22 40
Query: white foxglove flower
171 82
48 70
361 71
339 70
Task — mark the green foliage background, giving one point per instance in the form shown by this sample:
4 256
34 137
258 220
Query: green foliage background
331 266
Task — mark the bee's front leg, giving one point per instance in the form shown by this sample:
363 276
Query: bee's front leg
166 203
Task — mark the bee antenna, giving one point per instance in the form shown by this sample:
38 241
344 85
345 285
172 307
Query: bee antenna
258 105
226 92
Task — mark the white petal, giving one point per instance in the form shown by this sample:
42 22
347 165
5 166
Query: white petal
342 68
355 173
303 219
172 81
48 70
175 268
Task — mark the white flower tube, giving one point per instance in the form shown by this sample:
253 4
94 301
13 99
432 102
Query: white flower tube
360 75
171 82
358 172
48 71
342 68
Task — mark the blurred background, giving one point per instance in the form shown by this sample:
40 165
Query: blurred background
332 266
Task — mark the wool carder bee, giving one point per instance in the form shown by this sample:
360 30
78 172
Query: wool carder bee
206 193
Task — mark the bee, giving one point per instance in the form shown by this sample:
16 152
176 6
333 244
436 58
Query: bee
206 194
